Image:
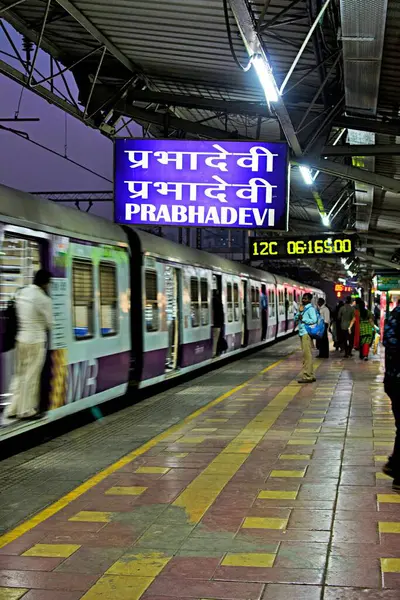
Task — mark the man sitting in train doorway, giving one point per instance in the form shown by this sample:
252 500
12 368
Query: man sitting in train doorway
307 315
34 317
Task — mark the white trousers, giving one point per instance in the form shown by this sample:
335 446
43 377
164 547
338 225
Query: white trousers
216 333
25 385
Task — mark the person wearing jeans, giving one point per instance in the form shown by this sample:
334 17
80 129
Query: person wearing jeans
307 315
391 341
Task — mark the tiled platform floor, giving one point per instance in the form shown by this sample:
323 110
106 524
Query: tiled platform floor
272 492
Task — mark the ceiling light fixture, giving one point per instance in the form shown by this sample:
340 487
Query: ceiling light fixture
307 176
266 78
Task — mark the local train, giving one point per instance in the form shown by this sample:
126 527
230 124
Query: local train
130 309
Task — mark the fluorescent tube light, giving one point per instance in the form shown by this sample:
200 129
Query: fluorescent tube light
266 78
325 220
306 173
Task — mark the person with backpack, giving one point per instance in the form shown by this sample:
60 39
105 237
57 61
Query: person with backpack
33 321
391 341
308 319
323 345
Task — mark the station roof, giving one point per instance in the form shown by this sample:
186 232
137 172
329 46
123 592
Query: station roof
174 67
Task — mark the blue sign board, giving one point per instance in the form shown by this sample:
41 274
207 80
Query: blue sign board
201 183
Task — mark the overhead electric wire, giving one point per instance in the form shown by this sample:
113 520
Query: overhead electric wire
26 137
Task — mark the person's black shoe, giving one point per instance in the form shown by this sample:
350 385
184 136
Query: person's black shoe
34 417
396 484
388 469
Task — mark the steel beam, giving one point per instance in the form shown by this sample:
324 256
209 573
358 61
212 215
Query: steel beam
155 118
45 93
247 28
351 173
371 125
236 107
29 33
96 33
361 150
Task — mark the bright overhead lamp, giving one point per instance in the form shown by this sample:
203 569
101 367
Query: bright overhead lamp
325 220
266 78
307 176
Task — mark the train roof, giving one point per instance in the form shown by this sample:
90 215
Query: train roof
47 215
167 250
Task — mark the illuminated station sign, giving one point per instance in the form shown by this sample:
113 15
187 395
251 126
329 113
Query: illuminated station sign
201 183
301 247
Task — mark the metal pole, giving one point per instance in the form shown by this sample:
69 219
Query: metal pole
187 236
198 238
180 235
304 44
46 14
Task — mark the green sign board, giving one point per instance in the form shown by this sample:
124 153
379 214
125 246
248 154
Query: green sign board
386 283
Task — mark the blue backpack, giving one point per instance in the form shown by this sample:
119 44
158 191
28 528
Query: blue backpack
317 330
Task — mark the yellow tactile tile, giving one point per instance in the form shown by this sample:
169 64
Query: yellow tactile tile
140 564
190 439
124 490
277 495
11 593
389 527
390 565
278 473
92 516
216 420
248 560
382 476
388 498
308 430
295 457
311 420
381 458
52 550
118 587
301 442
240 448
264 523
154 470
204 429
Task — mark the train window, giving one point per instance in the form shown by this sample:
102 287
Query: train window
204 301
194 301
151 307
281 303
108 299
255 303
19 261
82 298
271 295
236 301
229 302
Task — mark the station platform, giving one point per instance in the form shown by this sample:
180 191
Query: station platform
270 491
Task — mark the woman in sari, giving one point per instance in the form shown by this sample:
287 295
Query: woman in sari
366 330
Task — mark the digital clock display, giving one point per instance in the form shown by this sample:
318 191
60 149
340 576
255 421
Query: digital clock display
296 247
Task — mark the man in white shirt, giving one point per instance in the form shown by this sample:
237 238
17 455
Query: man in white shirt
34 314
323 344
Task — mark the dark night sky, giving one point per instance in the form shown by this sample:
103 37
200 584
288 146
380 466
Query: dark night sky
29 168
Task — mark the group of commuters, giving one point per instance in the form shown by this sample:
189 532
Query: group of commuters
354 326
351 324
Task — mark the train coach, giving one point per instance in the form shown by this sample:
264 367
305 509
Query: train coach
130 309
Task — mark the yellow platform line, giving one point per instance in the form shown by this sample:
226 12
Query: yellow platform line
202 492
51 510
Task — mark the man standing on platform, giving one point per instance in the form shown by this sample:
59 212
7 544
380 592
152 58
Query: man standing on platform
391 341
307 315
346 316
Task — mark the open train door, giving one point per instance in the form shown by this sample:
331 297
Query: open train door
173 311
245 331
